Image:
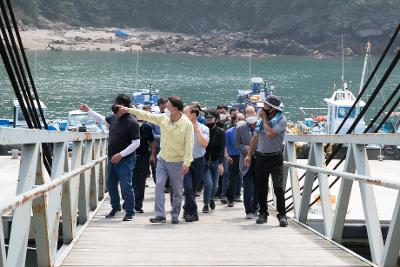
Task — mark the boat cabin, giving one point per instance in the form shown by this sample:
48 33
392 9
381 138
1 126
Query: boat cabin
19 120
339 105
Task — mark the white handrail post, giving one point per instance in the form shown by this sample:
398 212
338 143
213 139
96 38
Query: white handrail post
2 244
102 169
294 178
69 204
94 177
369 205
343 198
84 185
323 188
392 245
22 215
307 187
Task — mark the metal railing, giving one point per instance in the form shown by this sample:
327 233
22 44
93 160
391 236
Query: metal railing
66 198
356 169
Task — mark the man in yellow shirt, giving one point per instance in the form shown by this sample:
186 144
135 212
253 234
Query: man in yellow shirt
175 155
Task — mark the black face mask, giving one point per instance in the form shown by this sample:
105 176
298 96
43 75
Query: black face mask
211 125
114 109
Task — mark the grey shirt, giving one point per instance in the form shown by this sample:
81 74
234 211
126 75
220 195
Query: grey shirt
243 136
266 144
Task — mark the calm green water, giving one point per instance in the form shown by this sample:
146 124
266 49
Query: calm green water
64 79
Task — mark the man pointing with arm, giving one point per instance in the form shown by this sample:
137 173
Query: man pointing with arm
175 155
123 140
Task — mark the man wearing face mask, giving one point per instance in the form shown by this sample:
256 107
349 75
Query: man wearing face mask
146 150
267 143
244 133
234 154
214 158
124 139
175 155
223 116
196 170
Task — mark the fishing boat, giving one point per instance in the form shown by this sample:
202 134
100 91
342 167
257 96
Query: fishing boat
336 110
257 93
148 96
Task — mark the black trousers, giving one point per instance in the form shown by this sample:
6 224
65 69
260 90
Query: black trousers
233 173
139 179
269 165
190 184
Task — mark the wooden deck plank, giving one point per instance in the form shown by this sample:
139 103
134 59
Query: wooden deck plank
221 238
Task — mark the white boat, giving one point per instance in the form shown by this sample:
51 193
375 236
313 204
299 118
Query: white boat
148 96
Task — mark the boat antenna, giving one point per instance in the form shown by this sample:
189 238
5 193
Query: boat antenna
36 63
342 61
250 68
367 55
137 68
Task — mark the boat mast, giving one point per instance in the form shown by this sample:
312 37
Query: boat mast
137 69
250 68
342 61
367 55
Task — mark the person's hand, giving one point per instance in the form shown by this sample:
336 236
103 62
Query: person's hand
263 115
116 158
230 161
121 110
221 169
196 127
83 107
247 161
152 159
184 169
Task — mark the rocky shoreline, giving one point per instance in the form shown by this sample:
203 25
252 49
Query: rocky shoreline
62 37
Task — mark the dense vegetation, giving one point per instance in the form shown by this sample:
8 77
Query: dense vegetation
193 15
317 24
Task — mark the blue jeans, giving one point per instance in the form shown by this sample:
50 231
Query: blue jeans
210 181
249 194
122 173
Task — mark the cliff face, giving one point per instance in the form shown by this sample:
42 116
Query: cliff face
266 26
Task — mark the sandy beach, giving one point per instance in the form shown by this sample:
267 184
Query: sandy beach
88 39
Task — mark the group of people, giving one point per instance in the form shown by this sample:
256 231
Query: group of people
189 150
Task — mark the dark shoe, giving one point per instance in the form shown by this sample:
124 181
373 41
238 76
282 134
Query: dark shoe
282 221
231 204
212 204
112 213
191 218
139 210
262 219
224 200
158 219
174 220
206 209
127 218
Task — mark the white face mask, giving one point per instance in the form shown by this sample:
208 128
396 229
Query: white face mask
252 119
167 112
222 117
140 123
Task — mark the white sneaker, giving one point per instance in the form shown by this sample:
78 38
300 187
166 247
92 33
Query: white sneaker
250 216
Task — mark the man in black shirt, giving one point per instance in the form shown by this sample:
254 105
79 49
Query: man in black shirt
146 150
123 140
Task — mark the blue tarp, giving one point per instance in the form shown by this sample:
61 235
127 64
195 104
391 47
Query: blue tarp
120 33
